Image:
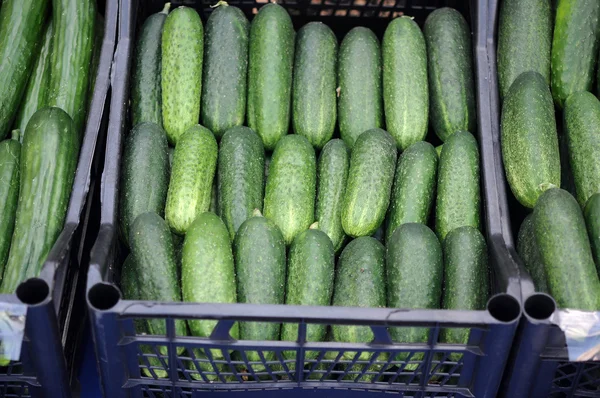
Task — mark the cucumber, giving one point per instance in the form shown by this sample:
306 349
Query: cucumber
574 47
314 97
450 64
21 33
369 186
360 101
240 176
271 61
405 87
214 197
413 191
562 239
95 63
72 46
458 199
438 150
225 69
49 154
10 156
34 97
582 127
190 188
144 176
334 161
529 139
146 97
524 40
592 221
466 278
530 254
290 191
181 71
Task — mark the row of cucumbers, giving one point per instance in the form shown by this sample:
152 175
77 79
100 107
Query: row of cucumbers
546 64
45 77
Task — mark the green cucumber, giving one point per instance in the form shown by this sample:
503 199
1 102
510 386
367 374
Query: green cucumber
530 254
181 71
458 200
49 154
240 176
146 97
413 191
271 62
190 188
360 101
529 139
405 87
21 33
438 150
450 63
144 175
34 97
10 156
95 63
582 127
225 69
214 197
369 186
592 221
314 97
290 191
574 47
72 46
524 40
562 239
334 161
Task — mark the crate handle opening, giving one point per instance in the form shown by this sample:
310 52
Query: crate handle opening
504 307
33 291
539 306
103 296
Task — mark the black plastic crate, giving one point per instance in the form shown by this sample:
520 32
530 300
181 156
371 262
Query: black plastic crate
133 364
54 301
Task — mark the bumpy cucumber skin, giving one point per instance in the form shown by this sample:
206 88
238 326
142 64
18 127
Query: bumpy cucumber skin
592 222
360 97
413 192
291 185
333 165
190 188
10 156
181 71
405 87
271 62
530 253
562 239
369 186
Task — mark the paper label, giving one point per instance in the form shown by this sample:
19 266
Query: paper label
582 333
12 331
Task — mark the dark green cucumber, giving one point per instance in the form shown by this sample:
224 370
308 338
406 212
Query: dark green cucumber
181 71
290 191
333 165
466 277
240 175
49 155
144 176
529 139
530 254
10 156
314 97
450 63
214 197
592 221
96 54
21 33
72 46
413 192
562 239
34 97
360 101
225 69
574 47
146 96
582 127
405 88
567 181
271 61
458 197
190 188
369 186
524 40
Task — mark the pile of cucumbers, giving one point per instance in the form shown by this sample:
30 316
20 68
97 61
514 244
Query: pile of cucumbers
46 81
547 62
237 209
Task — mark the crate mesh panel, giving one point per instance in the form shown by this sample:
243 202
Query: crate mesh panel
578 379
14 390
